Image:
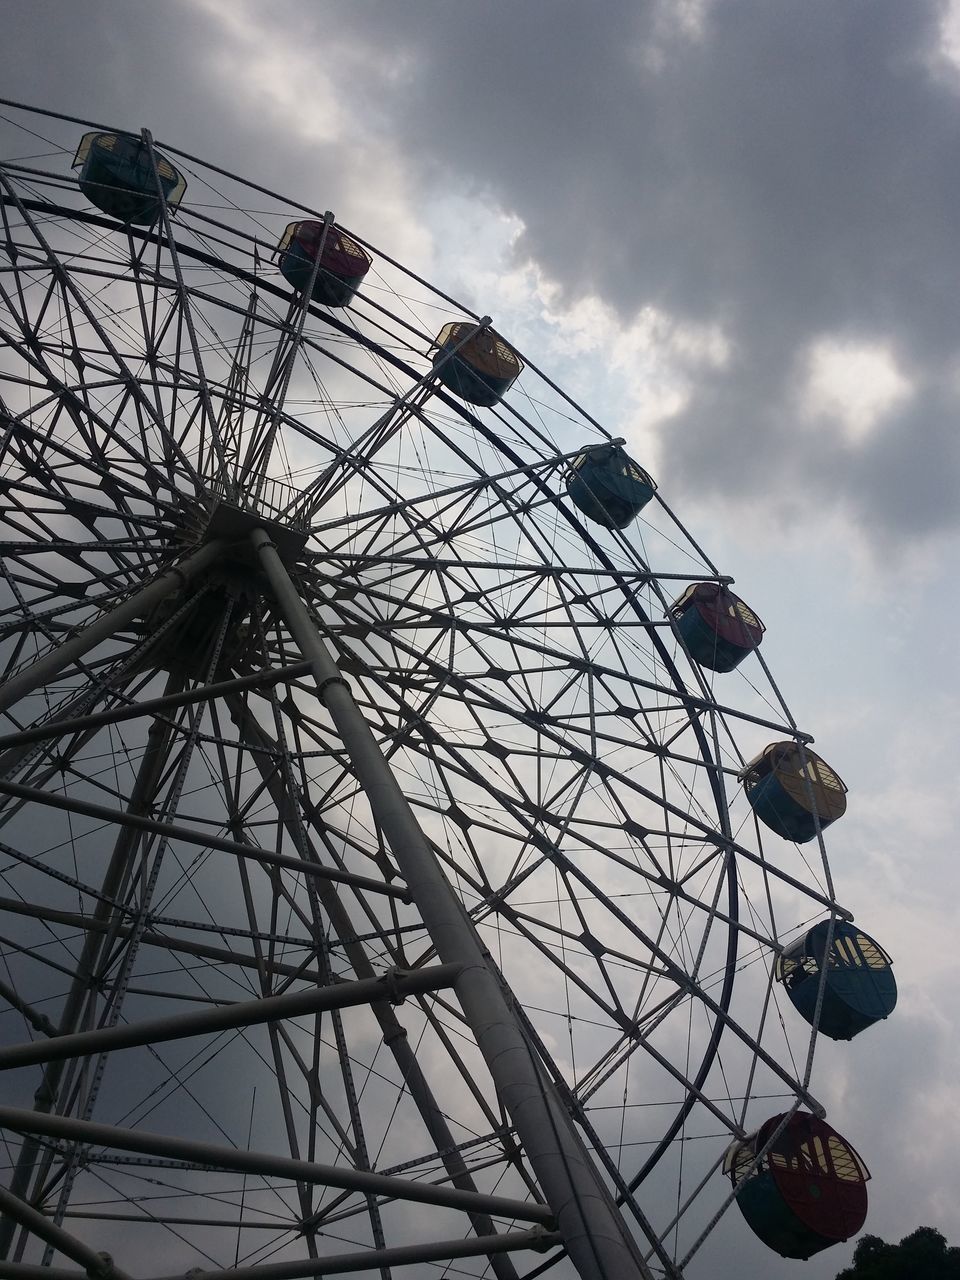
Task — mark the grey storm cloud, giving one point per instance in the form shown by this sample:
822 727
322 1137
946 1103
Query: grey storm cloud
155 66
789 171
783 171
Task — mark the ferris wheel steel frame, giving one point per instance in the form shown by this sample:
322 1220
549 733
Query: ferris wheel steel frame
247 523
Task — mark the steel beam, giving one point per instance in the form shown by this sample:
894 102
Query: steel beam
173 831
394 985
39 1021
97 1265
514 566
51 664
333 1264
595 1234
339 1264
262 1163
481 482
394 1033
155 706
152 938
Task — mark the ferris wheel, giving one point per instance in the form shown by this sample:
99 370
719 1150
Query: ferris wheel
408 860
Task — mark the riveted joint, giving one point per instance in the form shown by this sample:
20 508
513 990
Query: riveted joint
180 576
389 980
544 1238
103 1269
323 684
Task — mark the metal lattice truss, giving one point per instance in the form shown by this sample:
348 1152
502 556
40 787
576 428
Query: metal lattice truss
374 874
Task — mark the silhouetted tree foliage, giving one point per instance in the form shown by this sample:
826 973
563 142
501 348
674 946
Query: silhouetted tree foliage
923 1255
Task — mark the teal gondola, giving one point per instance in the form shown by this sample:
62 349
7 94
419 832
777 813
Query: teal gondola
807 1192
859 988
791 790
608 486
116 175
718 629
342 266
478 367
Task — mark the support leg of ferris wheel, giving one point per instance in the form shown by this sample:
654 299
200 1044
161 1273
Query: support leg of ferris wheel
595 1235
30 678
394 1033
95 942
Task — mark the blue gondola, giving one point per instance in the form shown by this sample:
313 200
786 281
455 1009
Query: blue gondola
808 1192
117 176
608 486
859 988
480 368
343 262
790 790
718 629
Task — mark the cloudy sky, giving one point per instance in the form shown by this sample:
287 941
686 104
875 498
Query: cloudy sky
730 227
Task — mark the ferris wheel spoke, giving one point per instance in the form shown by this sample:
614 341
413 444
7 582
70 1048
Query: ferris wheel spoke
700 831
210 431
85 401
236 391
47 451
84 404
407 408
455 492
261 437
686 704
504 800
58 737
358 1145
624 577
353 461
464 686
25 515
159 321
394 1034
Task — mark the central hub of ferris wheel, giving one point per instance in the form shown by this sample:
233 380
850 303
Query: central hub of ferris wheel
230 513
225 516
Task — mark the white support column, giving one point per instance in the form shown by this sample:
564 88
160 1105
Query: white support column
595 1234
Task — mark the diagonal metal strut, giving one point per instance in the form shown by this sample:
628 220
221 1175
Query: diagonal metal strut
596 1236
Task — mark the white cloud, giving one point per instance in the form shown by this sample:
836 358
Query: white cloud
855 384
286 82
950 33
